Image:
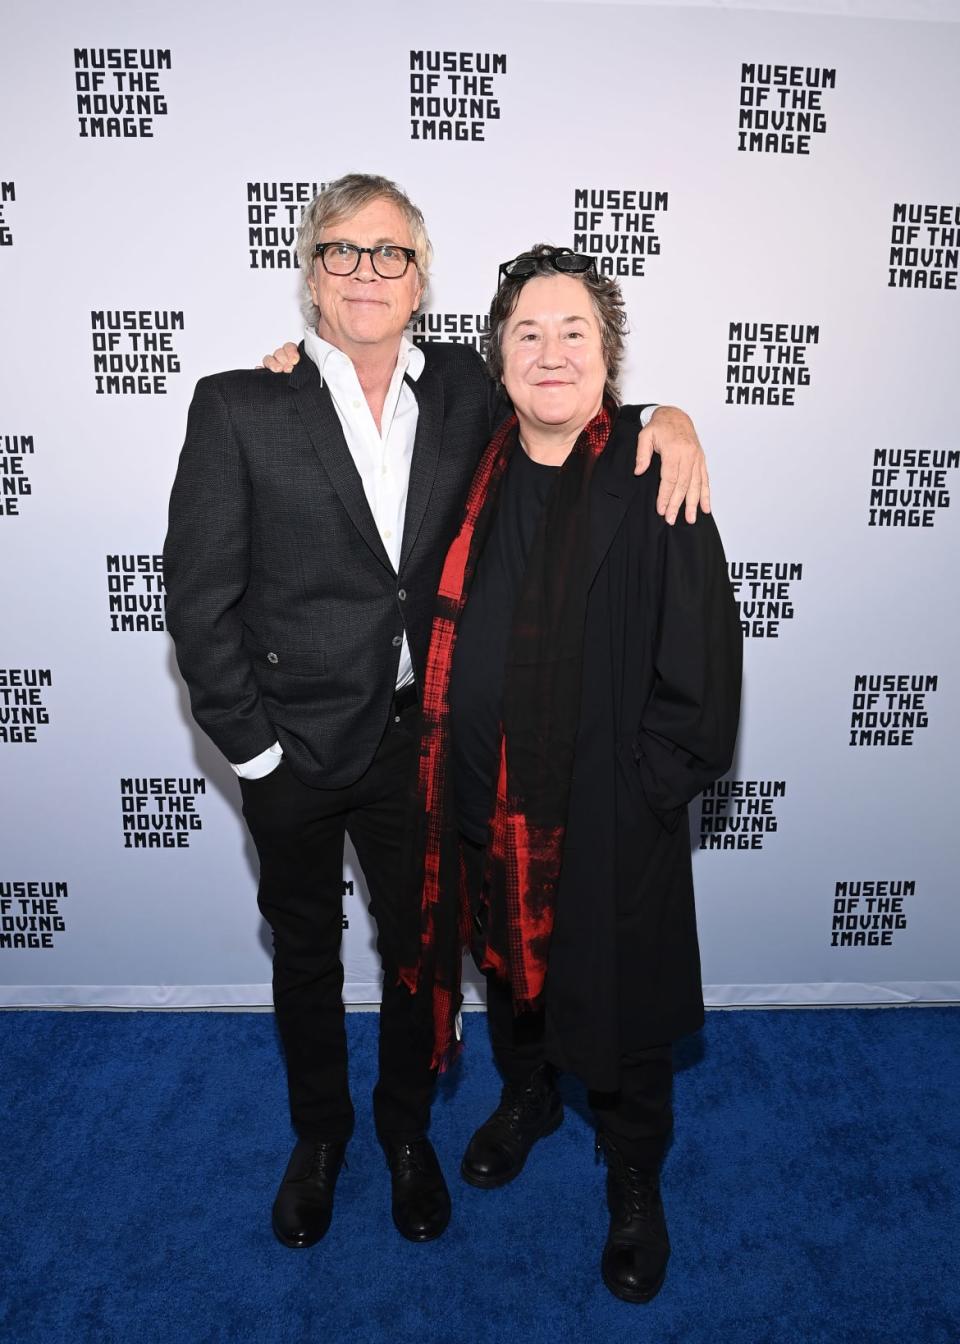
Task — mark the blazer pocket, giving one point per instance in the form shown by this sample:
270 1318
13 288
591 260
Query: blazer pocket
280 660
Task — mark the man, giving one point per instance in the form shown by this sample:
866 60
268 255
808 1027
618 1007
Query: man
309 520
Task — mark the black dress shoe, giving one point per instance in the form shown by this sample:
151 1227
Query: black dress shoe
421 1201
498 1150
635 1257
304 1203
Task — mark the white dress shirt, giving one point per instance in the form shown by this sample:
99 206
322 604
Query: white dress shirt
382 457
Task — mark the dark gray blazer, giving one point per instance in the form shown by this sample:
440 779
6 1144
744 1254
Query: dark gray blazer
286 613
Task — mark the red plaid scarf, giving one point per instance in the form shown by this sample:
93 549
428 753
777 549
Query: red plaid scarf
540 713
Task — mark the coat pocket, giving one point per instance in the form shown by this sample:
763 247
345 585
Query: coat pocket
278 659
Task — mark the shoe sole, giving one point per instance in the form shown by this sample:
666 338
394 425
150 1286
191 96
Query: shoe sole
494 1182
626 1296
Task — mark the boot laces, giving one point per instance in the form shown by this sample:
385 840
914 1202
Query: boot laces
640 1191
512 1109
323 1162
519 1106
410 1157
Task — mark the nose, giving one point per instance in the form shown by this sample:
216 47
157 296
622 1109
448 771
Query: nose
365 271
551 351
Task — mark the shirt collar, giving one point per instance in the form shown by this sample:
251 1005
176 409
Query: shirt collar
410 358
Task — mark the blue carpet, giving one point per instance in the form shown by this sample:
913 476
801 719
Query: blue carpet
810 1191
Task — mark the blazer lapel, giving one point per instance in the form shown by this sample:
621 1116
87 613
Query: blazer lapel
323 427
428 391
612 489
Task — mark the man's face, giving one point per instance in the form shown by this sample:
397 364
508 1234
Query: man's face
362 313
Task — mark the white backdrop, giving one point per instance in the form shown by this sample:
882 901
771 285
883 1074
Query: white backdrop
794 180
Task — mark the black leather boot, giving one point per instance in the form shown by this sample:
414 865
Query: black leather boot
635 1257
499 1148
304 1203
420 1199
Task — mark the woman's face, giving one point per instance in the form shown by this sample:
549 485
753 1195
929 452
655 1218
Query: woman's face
553 365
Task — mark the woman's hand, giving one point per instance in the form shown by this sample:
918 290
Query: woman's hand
284 359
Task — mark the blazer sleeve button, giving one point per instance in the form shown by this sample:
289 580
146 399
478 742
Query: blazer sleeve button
272 658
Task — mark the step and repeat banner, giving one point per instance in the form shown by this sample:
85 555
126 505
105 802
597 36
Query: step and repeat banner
779 196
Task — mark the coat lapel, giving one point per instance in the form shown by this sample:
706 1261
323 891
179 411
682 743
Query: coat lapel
428 391
612 488
323 426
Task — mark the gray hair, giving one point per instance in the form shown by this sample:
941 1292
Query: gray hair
341 199
607 304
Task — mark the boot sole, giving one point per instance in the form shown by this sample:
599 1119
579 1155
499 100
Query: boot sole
494 1182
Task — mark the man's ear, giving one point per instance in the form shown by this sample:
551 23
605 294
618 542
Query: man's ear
311 285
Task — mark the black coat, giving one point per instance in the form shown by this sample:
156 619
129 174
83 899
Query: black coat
286 613
658 721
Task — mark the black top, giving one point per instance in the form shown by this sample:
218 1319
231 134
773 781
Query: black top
477 676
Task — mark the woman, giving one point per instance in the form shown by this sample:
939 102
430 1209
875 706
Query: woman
582 686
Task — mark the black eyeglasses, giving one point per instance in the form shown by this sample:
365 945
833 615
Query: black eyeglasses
389 260
562 259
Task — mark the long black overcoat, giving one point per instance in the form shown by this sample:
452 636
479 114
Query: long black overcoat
659 709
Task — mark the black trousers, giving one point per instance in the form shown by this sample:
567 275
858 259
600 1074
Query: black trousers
638 1119
299 834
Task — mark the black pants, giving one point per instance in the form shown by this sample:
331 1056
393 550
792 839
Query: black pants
299 834
638 1119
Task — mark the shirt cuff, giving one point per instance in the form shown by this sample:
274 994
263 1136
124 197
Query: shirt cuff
261 765
646 415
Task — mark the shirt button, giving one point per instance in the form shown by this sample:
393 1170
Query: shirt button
397 641
356 405
387 534
402 594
